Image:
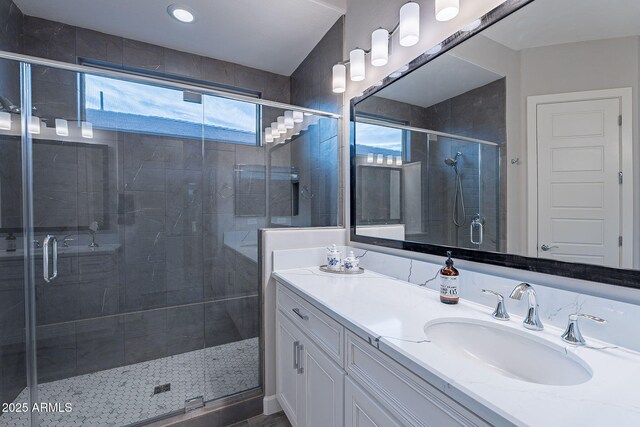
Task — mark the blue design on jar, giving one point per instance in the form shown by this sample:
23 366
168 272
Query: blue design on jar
333 261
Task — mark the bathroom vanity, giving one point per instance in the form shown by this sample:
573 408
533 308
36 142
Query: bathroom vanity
371 350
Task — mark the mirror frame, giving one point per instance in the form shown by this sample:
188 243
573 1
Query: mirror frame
608 275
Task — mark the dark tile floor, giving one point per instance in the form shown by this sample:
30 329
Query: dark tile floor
275 420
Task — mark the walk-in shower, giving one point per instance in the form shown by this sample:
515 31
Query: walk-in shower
129 214
458 213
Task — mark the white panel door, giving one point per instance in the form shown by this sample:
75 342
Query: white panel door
289 381
362 410
578 181
323 400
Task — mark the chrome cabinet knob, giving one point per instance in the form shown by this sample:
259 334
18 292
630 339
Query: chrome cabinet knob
572 334
546 247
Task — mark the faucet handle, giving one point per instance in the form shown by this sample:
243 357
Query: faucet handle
500 313
572 334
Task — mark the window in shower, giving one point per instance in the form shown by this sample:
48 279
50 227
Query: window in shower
375 140
127 106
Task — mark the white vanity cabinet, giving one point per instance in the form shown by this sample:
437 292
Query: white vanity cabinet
328 376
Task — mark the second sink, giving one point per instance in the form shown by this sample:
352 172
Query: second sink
511 353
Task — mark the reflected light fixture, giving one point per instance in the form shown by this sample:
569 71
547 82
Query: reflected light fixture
87 130
288 119
339 78
180 13
389 160
472 25
281 127
62 127
446 10
379 159
298 117
437 48
34 125
5 121
274 130
409 24
357 69
370 158
268 135
398 160
379 47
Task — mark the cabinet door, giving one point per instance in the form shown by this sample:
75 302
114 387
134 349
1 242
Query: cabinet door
289 382
323 400
362 410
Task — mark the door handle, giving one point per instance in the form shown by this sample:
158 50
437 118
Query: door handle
45 258
546 247
300 367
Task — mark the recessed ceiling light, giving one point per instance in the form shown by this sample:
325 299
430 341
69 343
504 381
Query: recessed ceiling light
180 13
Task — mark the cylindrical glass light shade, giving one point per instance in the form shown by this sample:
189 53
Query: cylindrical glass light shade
281 127
356 58
288 119
274 129
389 160
268 135
34 125
62 127
87 130
379 47
370 158
339 78
5 121
409 24
298 117
379 159
446 10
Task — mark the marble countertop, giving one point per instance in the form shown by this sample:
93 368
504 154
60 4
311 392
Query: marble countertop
395 312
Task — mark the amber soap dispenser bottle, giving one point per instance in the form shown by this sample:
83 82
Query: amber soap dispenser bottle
449 282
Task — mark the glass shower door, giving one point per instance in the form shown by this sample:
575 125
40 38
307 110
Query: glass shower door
117 221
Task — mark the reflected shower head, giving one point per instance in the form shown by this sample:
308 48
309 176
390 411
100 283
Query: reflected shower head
453 162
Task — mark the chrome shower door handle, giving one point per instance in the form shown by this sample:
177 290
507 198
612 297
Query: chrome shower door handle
477 223
546 247
45 258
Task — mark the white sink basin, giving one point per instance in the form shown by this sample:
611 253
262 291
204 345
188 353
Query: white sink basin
512 353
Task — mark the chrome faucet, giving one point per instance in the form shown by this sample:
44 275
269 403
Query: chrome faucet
572 334
532 319
500 313
66 239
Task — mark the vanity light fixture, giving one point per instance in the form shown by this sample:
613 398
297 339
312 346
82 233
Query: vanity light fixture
339 78
87 130
62 127
268 136
410 24
34 125
379 47
379 159
389 160
180 13
446 10
5 121
298 117
398 160
357 69
281 127
274 129
288 119
370 158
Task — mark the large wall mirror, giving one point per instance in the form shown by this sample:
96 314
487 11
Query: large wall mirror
516 144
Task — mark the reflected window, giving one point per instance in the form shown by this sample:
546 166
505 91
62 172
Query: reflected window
128 106
375 140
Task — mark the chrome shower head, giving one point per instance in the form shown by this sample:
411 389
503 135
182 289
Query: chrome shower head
453 162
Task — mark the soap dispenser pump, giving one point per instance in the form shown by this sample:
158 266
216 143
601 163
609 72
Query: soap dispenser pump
449 282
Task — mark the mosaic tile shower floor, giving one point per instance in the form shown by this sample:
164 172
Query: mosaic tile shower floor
121 396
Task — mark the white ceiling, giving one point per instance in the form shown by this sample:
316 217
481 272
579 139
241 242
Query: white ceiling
274 35
552 22
444 78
